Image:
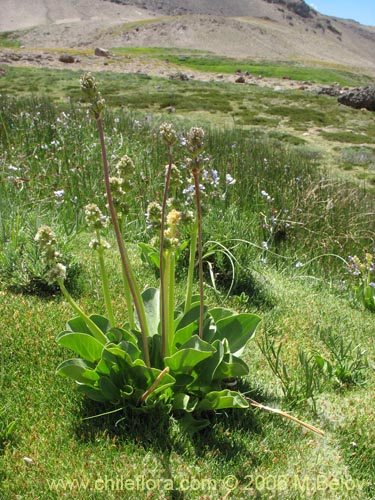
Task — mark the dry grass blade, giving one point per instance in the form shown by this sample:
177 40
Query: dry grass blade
310 427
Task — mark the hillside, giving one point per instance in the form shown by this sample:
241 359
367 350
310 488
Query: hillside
283 30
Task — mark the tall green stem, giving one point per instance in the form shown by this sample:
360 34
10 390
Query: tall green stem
163 293
128 300
130 278
94 329
167 282
190 277
105 284
200 256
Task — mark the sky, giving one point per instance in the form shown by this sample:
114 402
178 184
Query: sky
362 11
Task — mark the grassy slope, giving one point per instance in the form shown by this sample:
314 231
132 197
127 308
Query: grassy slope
267 454
264 452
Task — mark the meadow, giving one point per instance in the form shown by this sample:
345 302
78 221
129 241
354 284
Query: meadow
278 235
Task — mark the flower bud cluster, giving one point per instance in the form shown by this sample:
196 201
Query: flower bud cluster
153 215
195 141
168 133
95 218
121 184
172 233
93 96
47 242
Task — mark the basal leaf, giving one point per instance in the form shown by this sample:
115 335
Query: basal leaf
83 344
184 402
78 370
191 353
238 329
218 400
109 390
231 366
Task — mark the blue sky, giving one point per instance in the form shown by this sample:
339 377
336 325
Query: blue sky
362 11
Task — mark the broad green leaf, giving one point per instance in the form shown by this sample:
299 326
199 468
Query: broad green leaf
143 377
109 389
184 402
191 353
206 369
238 329
117 334
150 254
78 325
218 400
82 344
92 393
151 301
191 316
78 370
184 334
113 353
191 425
231 366
219 313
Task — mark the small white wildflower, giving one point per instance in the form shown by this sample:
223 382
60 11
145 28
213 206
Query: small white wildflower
265 245
299 264
95 244
229 180
58 272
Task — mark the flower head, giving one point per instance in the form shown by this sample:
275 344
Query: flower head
194 140
94 97
168 133
95 217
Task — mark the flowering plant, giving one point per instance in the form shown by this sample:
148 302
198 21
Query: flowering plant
362 274
180 356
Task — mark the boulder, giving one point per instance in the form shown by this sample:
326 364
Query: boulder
102 52
359 98
66 58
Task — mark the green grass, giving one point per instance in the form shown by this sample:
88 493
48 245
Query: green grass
50 145
215 64
8 40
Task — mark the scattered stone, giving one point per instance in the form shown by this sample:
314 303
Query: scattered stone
67 58
179 76
359 98
102 52
333 90
170 109
240 79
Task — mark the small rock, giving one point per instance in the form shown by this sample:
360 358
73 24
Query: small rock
240 79
102 52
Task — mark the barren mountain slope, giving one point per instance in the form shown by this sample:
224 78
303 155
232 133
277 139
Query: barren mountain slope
258 29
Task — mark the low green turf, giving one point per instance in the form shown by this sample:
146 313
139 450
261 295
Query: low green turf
215 64
8 39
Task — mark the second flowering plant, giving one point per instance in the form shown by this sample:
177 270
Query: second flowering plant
184 357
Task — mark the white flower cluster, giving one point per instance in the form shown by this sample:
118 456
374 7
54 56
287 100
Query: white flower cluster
47 242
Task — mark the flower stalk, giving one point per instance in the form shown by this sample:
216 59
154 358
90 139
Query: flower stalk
89 87
130 279
94 329
105 283
166 294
